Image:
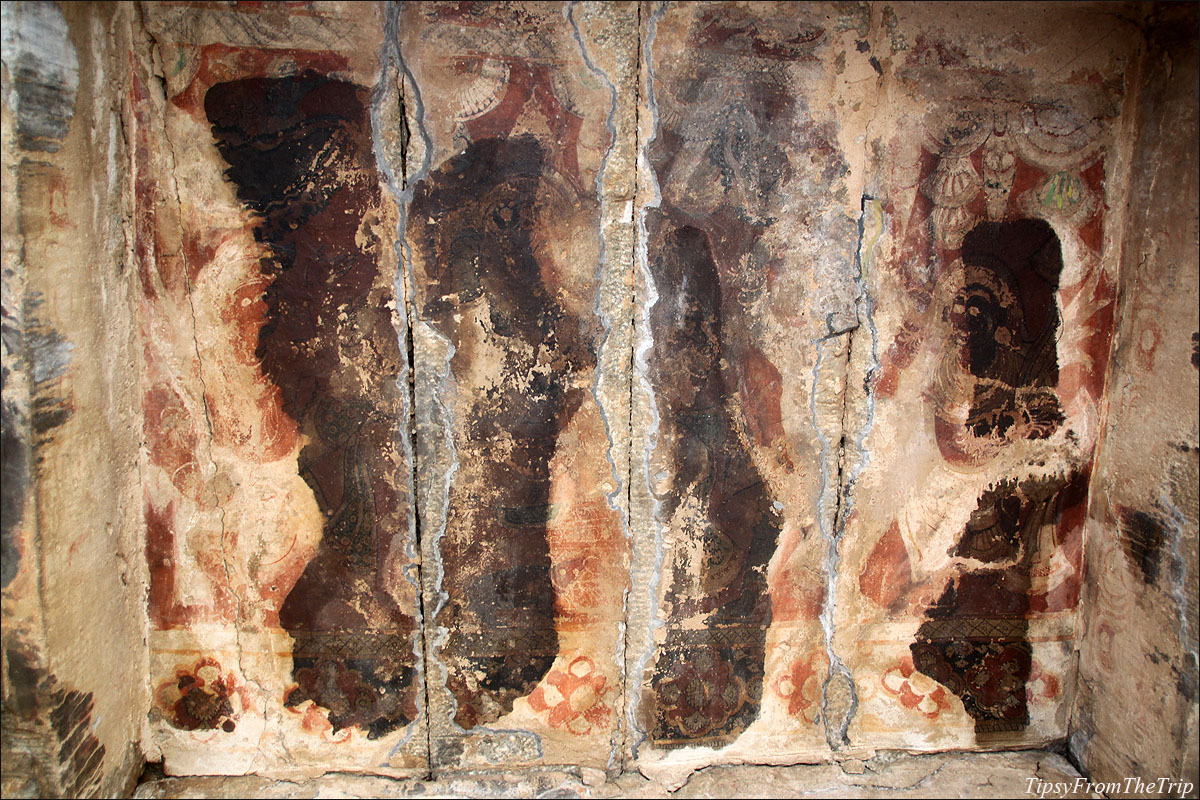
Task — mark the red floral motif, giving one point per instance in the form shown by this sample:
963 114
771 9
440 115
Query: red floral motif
800 685
1042 685
917 692
315 720
201 697
574 697
701 693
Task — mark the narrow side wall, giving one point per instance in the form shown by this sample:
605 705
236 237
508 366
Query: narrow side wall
1136 714
74 654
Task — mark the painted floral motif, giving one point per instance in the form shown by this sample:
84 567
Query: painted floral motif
574 697
201 697
917 692
700 693
800 685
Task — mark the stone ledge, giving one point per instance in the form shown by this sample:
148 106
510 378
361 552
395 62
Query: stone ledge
893 775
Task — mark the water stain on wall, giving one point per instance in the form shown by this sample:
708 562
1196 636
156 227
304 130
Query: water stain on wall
300 154
1142 536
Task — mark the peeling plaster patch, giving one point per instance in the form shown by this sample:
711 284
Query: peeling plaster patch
44 69
15 451
15 466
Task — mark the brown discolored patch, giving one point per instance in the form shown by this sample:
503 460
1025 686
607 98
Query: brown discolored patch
478 217
200 697
300 154
1004 326
1142 536
974 640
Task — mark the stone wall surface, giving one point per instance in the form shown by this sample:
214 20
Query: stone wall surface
74 653
522 385
1138 668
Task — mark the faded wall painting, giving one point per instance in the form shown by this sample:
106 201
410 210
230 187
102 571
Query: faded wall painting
963 577
608 384
746 180
524 549
283 591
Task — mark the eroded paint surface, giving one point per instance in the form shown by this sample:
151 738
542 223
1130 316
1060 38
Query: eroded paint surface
873 305
283 590
300 155
996 294
750 177
524 549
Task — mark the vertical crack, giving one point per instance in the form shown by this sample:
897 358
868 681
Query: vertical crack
852 458
839 681
626 729
644 343
856 420
620 480
392 78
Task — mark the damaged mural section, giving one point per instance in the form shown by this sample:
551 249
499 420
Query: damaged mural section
476 215
300 154
396 519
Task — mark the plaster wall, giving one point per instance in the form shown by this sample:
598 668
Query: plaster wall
426 388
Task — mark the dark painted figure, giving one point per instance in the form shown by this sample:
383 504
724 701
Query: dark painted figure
707 681
1009 320
475 221
727 112
1005 318
300 154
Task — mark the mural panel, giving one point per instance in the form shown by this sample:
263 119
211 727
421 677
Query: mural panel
522 536
283 585
963 567
748 283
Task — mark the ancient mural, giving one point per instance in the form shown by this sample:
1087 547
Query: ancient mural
960 600
417 497
283 594
739 293
525 550
300 155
